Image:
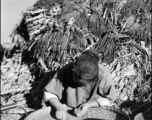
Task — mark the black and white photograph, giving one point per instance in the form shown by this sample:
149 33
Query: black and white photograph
76 60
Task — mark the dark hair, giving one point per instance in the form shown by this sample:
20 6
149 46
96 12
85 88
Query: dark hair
86 65
93 53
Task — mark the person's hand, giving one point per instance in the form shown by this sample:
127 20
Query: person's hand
61 112
67 107
81 110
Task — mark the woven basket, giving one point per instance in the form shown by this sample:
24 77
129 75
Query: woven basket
105 113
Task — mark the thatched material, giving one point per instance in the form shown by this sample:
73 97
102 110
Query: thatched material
57 31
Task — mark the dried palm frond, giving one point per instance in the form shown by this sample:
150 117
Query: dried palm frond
129 74
131 8
15 79
47 4
142 33
107 46
97 25
68 30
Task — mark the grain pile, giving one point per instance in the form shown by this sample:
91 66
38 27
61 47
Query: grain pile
105 113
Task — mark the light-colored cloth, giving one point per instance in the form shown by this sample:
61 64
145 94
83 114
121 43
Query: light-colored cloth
63 86
48 96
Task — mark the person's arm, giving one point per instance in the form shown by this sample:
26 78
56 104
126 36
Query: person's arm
56 103
61 110
92 103
103 101
54 88
82 109
53 100
48 95
98 102
106 89
53 94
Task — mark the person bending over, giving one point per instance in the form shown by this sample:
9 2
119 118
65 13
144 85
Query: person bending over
80 85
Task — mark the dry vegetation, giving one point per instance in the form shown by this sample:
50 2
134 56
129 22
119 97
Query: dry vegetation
57 31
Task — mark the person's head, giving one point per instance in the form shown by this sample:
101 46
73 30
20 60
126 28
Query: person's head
86 68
